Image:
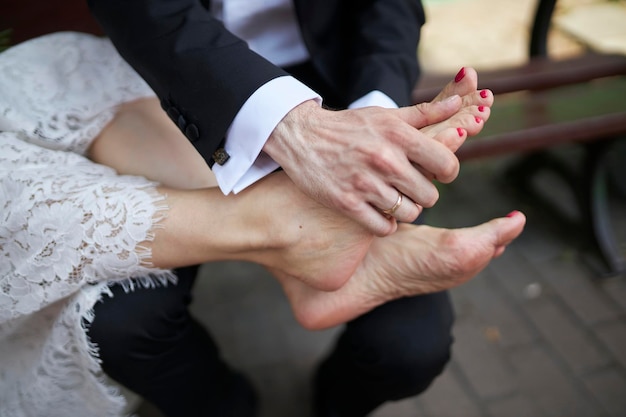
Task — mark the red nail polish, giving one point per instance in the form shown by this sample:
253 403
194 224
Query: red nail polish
481 108
478 119
459 75
513 213
460 131
483 93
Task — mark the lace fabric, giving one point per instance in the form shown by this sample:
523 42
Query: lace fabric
68 227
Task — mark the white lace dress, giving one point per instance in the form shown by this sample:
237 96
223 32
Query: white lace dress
68 227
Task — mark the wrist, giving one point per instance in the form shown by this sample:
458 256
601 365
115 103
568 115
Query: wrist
288 133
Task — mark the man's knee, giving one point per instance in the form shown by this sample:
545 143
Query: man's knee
412 368
409 344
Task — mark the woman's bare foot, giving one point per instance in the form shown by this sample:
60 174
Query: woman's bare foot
470 120
414 260
306 241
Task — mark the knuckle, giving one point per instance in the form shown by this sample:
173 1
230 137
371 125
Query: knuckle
360 181
348 202
415 213
383 160
421 110
430 197
449 170
386 228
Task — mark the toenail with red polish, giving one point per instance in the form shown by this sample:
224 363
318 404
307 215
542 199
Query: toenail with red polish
483 93
478 119
460 131
481 108
459 75
513 213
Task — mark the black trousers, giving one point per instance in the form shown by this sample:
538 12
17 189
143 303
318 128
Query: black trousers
149 342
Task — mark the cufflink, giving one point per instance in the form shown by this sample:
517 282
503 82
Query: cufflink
220 156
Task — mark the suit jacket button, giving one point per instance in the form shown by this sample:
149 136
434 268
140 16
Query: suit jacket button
182 123
173 114
166 104
220 156
192 132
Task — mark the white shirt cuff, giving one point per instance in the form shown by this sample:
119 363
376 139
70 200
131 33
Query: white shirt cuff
374 98
251 128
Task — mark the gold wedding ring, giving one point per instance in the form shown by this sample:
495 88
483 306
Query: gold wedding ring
393 209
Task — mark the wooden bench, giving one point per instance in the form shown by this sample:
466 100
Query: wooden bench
546 103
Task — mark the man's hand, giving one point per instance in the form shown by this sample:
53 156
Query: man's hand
362 162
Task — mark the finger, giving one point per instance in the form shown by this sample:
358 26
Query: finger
373 220
403 209
426 114
434 157
390 168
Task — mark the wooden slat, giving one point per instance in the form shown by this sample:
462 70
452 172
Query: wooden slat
537 74
524 122
542 137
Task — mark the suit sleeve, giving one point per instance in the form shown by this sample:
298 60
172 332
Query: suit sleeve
384 48
365 45
202 73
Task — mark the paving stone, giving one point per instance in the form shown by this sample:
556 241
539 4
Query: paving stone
609 387
449 397
481 360
513 406
226 282
300 342
406 407
284 389
498 315
577 288
553 391
516 275
613 335
572 342
616 289
537 243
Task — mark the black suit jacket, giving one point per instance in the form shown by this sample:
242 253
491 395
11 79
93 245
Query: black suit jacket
203 74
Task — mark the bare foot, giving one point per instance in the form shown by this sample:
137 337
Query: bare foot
470 120
309 243
414 260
